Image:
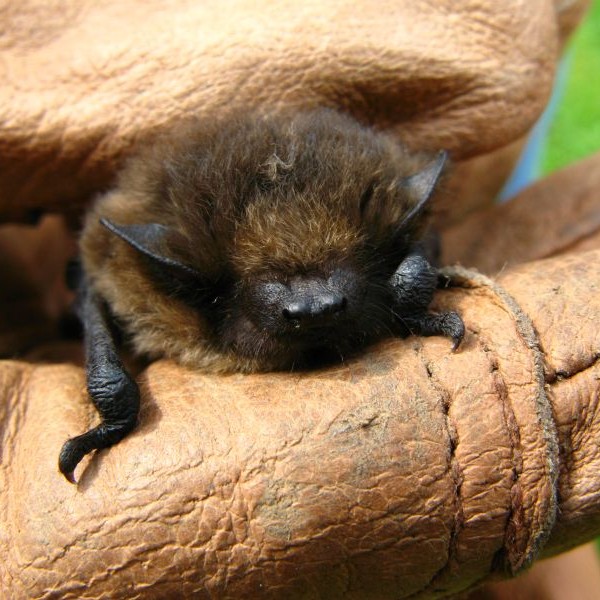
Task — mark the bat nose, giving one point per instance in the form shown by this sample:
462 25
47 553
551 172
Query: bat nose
314 308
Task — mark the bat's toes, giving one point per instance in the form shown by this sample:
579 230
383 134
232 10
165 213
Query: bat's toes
448 324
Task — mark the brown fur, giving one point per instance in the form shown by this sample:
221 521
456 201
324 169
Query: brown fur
244 199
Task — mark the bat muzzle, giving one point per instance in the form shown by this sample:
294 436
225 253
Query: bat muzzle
303 304
314 309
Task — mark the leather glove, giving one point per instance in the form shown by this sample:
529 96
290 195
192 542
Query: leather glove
411 470
333 481
83 81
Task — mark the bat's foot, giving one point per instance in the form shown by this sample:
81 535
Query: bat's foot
103 436
448 324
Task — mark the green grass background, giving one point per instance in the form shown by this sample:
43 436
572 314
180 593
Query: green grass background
575 130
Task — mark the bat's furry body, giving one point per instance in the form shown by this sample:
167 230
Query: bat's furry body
243 243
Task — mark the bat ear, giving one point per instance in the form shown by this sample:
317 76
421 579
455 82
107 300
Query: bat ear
148 239
420 186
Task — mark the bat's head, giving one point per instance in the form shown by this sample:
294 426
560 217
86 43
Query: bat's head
284 236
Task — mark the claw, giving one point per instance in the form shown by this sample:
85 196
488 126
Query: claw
447 324
69 458
454 328
70 477
457 341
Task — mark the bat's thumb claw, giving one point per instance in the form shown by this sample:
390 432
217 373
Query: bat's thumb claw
69 458
70 477
454 328
457 342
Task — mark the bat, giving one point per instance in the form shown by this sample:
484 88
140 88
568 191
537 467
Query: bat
253 243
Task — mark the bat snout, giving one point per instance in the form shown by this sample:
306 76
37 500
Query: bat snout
305 304
297 317
317 303
316 308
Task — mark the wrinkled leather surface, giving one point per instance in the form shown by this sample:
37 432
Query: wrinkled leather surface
556 215
410 470
80 83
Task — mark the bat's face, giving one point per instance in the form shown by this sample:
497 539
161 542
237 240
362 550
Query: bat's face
291 250
283 317
288 282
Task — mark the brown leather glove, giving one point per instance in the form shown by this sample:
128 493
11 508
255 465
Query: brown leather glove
82 81
410 470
